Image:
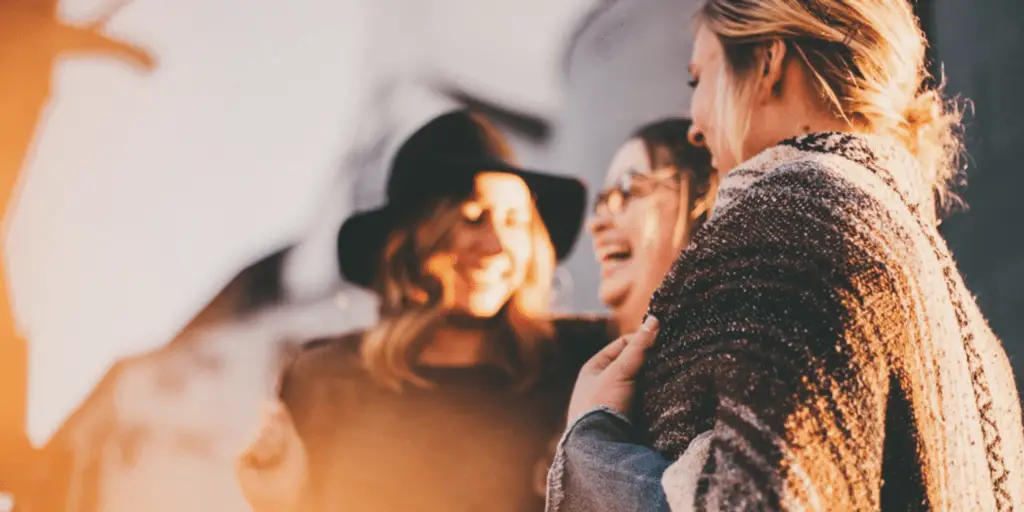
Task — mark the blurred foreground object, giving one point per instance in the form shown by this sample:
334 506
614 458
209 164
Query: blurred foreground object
32 39
161 430
143 196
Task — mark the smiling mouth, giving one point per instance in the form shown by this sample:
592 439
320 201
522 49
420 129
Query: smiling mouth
489 277
615 255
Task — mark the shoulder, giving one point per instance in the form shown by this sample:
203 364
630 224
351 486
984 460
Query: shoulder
825 180
344 345
799 202
831 180
785 177
790 219
322 358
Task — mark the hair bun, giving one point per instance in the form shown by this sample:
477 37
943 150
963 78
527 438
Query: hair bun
930 128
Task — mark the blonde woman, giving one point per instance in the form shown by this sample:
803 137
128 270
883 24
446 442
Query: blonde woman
815 347
452 402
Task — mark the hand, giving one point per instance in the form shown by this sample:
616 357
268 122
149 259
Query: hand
272 470
607 378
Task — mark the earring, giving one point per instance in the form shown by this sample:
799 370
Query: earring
696 138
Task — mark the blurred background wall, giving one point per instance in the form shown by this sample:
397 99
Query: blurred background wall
980 46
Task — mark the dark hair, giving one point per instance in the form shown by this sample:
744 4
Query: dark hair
667 143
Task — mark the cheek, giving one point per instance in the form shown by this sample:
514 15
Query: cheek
459 241
643 224
637 215
519 247
659 226
701 108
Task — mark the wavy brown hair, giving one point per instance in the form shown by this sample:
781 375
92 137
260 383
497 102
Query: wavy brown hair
416 292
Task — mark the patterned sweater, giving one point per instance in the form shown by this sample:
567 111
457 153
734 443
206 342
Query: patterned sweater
819 350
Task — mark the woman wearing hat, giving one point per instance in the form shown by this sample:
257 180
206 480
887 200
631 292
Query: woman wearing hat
454 400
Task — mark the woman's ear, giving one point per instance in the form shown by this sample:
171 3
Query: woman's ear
772 70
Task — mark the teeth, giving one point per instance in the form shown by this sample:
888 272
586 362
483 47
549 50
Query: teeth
613 253
488 274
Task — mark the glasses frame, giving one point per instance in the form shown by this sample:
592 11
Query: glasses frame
634 185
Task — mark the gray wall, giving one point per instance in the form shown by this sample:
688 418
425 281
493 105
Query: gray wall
980 45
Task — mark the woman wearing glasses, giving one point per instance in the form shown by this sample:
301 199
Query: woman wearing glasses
659 190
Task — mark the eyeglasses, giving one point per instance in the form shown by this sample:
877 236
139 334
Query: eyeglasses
631 186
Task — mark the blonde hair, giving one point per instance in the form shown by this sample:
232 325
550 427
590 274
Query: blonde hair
416 292
867 59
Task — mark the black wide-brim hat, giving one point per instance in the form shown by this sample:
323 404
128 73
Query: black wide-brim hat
441 160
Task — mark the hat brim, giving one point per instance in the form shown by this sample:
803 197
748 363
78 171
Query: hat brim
561 203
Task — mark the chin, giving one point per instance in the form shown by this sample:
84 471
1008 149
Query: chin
485 307
611 297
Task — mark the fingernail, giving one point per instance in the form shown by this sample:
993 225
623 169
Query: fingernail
650 323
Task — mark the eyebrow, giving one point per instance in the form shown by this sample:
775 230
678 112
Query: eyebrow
492 206
617 180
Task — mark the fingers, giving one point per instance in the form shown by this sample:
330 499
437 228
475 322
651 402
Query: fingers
643 337
602 359
631 358
647 332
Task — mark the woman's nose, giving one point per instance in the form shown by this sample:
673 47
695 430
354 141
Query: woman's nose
600 222
489 242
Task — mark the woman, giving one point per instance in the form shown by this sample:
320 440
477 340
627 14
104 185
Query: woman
659 189
817 348
452 402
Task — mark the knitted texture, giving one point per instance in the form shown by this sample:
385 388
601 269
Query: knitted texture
818 329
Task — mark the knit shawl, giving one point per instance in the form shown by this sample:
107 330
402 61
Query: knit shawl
819 350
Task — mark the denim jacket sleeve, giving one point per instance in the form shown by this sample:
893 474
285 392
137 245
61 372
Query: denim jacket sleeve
598 468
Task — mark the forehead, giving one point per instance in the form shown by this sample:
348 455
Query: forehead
705 46
502 189
630 158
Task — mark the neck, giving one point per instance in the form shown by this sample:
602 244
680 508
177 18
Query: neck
627 320
829 124
807 118
461 342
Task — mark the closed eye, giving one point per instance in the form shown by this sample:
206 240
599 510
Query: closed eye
516 219
473 213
